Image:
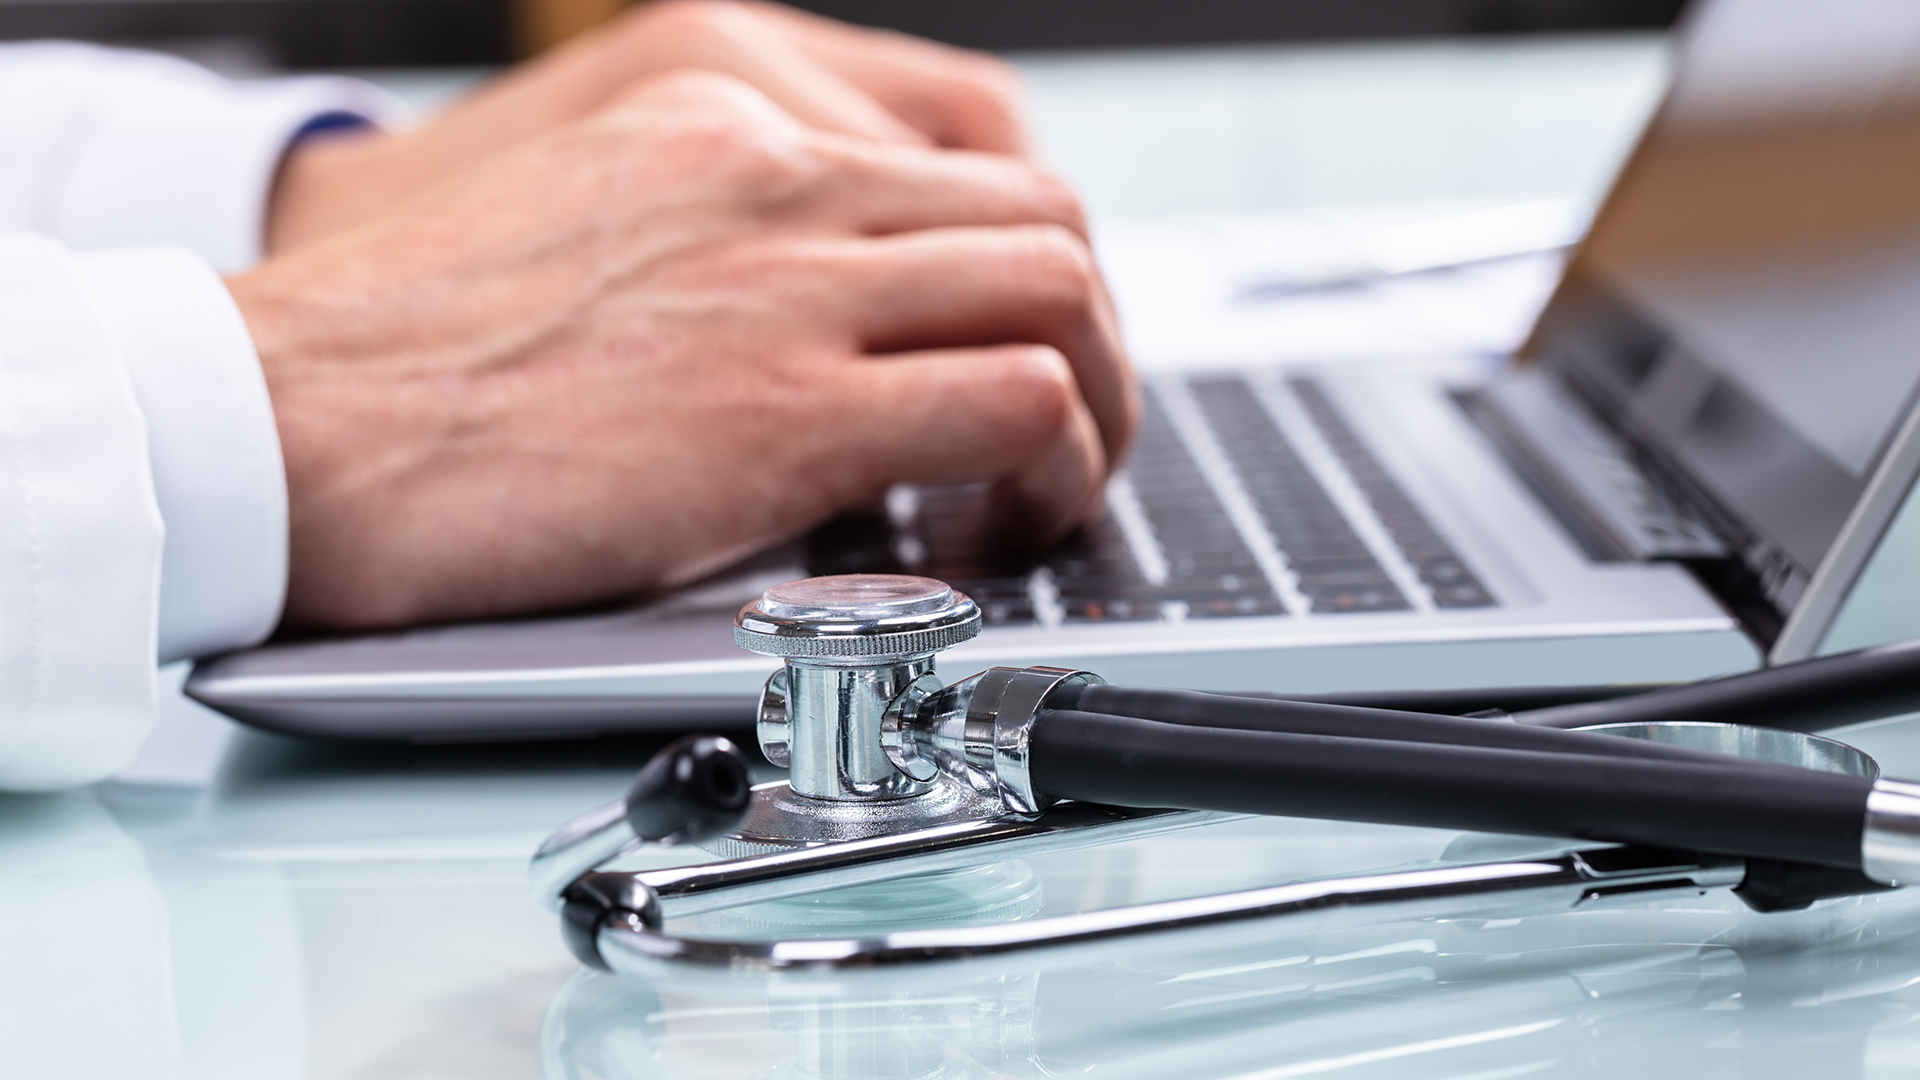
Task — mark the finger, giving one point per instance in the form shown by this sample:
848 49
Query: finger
958 97
873 188
961 287
1009 414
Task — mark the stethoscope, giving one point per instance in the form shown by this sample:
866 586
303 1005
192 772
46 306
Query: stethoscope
893 773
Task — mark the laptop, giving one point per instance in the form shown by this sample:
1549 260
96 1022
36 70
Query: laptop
1682 475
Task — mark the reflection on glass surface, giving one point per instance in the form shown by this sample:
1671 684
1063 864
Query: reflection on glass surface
1666 987
317 911
1679 988
83 946
322 913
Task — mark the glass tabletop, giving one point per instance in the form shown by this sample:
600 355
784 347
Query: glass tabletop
333 912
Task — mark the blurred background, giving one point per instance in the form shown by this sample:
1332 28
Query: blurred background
1212 142
241 36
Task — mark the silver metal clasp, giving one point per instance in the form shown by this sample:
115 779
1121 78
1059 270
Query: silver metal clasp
978 730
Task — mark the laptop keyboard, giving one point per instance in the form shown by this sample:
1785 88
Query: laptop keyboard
1244 528
1204 566
1446 577
1331 566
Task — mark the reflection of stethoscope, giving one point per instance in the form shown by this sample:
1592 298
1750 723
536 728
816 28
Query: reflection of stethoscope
893 773
1605 986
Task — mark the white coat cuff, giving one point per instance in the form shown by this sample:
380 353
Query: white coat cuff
211 437
194 165
80 537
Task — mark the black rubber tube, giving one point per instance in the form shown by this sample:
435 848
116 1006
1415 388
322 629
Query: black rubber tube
1506 699
1809 695
1192 709
1769 811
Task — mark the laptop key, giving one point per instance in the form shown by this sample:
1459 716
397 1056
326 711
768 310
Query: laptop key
1378 597
1110 609
1236 605
1468 595
1004 612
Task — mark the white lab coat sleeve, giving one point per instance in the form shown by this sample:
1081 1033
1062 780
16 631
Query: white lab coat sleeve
211 439
143 505
80 531
109 148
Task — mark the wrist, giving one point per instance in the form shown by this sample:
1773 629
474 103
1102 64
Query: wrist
352 435
328 180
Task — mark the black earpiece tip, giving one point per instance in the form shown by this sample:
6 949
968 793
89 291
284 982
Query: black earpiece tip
589 902
694 789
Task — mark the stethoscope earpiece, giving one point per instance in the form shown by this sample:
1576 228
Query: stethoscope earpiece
693 790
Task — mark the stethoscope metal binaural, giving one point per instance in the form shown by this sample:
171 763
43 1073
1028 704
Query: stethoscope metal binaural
893 773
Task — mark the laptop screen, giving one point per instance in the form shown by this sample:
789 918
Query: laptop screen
1747 306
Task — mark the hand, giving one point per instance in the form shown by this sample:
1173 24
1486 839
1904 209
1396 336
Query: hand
873 84
656 339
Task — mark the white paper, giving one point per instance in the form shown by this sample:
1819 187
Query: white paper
1190 291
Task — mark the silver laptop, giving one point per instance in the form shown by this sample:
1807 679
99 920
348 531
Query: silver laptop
1702 444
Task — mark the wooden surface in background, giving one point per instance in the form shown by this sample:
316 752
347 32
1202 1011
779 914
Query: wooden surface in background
539 25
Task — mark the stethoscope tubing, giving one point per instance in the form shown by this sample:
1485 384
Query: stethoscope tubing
1526 773
1813 695
1722 805
1194 709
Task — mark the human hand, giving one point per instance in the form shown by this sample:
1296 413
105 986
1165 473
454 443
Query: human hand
654 340
870 83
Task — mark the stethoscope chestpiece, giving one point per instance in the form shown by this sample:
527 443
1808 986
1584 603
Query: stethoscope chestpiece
852 644
857 619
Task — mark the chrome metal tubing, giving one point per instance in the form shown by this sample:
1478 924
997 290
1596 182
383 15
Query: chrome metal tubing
631 947
836 753
586 842
691 890
852 644
1890 840
772 723
978 730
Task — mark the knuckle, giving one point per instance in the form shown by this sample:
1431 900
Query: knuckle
1039 389
688 92
727 129
1064 264
996 81
1059 201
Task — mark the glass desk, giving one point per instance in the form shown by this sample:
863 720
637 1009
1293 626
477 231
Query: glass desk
320 912
243 905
